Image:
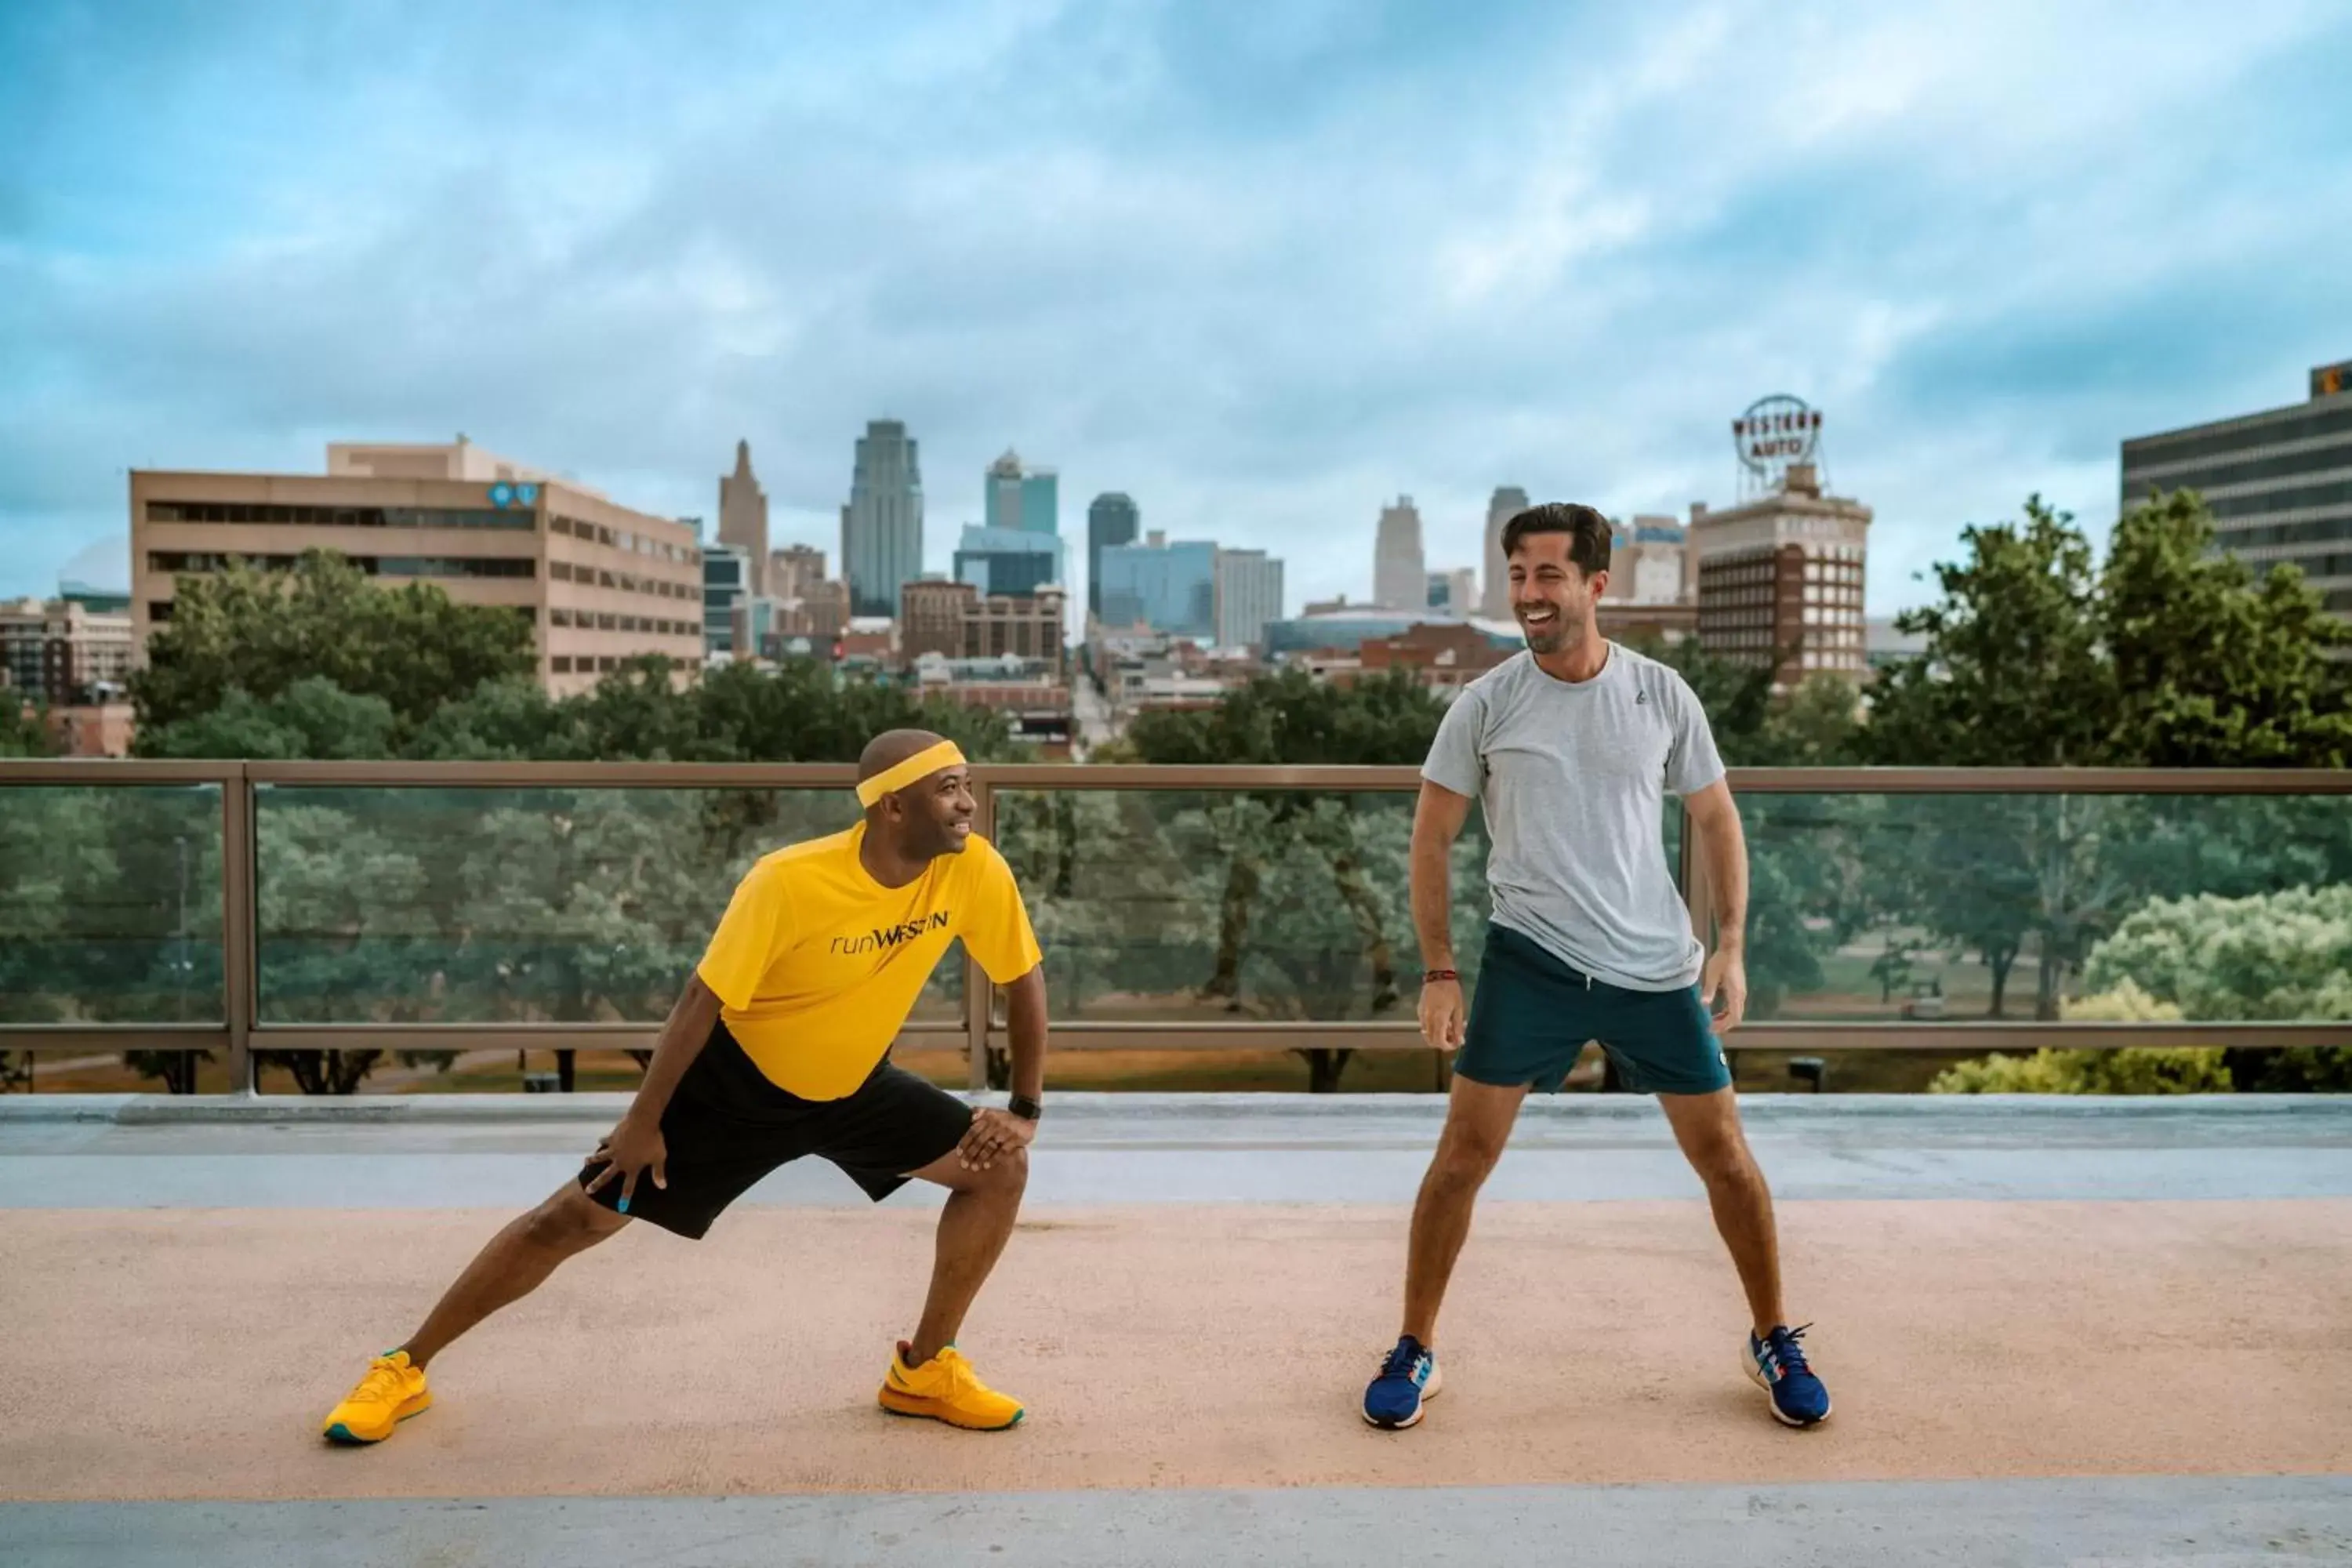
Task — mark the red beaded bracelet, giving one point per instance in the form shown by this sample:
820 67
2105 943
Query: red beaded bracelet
1437 975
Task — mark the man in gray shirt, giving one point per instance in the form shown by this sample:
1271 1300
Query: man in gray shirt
1570 747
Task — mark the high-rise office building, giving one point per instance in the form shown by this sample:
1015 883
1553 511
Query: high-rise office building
1016 496
1780 579
956 620
743 517
795 571
2278 483
1248 596
1650 562
1399 573
1001 493
1495 597
882 526
1008 560
726 589
52 651
1169 588
1454 591
1112 519
598 583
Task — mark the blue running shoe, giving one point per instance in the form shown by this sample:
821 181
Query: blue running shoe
1777 1363
1409 1376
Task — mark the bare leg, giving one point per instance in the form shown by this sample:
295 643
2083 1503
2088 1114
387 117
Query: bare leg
515 1263
1708 1128
978 1220
1479 1119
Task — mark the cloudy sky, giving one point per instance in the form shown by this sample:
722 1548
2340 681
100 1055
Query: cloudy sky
1262 265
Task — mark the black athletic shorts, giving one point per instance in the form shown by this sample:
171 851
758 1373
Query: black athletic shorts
729 1125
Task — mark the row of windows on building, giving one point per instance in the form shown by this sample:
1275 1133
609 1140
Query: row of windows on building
2335 563
510 519
179 561
627 582
2148 452
1839 562
191 560
606 621
2336 492
2251 470
1763 636
623 540
1815 594
2315 531
340 516
160 610
605 663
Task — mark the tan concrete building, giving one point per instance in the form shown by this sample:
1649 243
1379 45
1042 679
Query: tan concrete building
1780 580
1400 571
955 620
794 570
93 728
743 519
1650 563
599 583
1445 657
1495 597
53 651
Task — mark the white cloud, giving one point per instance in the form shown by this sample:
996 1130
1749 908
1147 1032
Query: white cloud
1262 273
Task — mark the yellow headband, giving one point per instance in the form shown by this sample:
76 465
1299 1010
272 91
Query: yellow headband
928 761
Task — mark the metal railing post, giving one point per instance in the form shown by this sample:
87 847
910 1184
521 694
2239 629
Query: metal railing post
238 968
1698 893
979 996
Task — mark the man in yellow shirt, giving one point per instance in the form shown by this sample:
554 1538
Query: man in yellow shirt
779 1048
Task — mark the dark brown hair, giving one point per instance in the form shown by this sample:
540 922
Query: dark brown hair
1588 532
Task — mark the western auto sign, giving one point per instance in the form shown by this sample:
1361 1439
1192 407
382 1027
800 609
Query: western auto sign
1775 432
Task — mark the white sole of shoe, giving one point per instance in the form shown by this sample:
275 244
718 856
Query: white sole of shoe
1429 1391
1756 1376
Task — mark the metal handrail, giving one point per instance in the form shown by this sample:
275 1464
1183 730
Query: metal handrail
243 1031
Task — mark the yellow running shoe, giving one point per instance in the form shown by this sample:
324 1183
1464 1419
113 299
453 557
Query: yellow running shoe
945 1388
391 1392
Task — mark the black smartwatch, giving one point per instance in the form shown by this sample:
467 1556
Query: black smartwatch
1021 1106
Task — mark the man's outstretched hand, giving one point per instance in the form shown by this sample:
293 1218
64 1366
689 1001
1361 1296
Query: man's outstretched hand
993 1134
627 1152
1724 989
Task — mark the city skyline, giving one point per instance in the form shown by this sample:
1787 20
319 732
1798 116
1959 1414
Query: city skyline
1265 305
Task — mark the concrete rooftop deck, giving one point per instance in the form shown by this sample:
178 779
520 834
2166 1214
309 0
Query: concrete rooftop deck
2058 1331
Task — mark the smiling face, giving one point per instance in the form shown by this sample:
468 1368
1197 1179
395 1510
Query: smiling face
1552 596
932 816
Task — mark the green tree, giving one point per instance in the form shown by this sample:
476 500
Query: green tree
2279 956
2012 675
2166 656
262 632
22 732
1288 718
311 718
2213 667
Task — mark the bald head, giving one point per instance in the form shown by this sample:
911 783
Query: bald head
891 747
921 819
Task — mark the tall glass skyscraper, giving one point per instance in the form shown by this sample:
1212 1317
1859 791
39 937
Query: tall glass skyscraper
1168 587
1016 496
2278 483
1008 560
1113 519
882 526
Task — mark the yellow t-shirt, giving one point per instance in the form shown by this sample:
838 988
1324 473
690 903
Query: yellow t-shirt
816 964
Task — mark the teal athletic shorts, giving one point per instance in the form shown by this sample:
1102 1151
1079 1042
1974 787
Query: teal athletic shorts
1532 1014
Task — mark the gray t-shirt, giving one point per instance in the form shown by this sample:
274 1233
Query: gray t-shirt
1573 778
